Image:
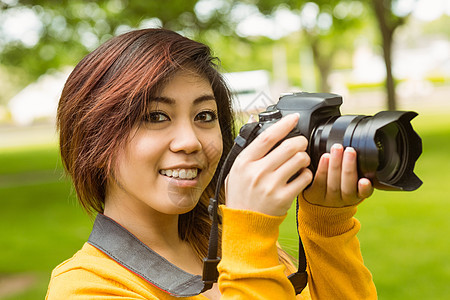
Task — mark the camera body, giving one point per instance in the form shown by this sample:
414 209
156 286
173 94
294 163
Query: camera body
386 143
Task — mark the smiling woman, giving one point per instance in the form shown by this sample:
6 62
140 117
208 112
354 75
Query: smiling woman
138 118
156 167
145 123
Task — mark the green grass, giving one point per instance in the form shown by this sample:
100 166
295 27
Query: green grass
404 235
40 225
29 159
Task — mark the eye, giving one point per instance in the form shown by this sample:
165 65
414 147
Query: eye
206 116
156 117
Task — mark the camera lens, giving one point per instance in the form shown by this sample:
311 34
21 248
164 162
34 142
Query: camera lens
387 146
380 141
390 142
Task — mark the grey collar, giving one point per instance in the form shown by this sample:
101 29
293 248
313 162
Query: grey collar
127 250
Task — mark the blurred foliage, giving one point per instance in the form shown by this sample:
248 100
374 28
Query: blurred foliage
440 26
66 30
72 28
329 27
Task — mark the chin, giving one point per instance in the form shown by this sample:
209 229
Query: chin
183 203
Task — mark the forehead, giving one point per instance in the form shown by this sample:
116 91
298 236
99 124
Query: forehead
185 86
187 79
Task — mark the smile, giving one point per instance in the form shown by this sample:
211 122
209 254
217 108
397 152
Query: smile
187 174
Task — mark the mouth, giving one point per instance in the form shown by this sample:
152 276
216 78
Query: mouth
181 174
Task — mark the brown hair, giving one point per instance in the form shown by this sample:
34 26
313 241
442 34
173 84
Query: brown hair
107 94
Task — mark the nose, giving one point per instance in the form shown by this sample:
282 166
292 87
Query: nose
185 139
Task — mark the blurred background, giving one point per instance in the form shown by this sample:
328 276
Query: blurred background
378 54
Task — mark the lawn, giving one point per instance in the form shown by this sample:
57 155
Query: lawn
40 224
404 235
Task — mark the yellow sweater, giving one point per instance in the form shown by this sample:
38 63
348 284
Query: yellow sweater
249 269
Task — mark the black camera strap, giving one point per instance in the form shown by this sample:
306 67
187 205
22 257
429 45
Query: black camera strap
299 279
210 273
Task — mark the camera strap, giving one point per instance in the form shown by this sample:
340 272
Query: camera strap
298 279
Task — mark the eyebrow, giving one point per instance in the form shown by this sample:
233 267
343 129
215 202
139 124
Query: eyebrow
171 101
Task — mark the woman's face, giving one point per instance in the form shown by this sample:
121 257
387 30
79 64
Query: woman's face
170 158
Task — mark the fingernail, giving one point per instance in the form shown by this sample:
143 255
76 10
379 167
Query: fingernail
350 149
364 181
336 147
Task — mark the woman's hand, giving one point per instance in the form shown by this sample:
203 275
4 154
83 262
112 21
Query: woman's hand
336 181
258 179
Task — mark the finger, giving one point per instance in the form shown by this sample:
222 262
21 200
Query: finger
318 187
270 137
292 166
365 188
334 171
349 177
296 186
285 151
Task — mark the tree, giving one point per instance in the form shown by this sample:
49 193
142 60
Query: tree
388 22
324 43
330 33
66 30
329 26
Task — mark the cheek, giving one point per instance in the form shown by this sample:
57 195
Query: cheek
121 168
214 149
145 149
134 158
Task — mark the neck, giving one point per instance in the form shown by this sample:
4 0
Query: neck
160 233
157 230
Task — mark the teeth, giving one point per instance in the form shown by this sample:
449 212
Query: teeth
180 173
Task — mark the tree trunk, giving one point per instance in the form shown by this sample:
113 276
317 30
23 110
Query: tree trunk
390 83
387 29
323 64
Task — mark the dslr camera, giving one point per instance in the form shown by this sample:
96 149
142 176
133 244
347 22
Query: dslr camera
387 145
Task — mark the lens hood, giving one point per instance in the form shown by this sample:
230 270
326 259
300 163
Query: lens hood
388 149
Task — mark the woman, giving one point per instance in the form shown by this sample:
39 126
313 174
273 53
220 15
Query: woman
145 122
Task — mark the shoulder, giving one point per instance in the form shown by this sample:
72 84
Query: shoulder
91 273
89 259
